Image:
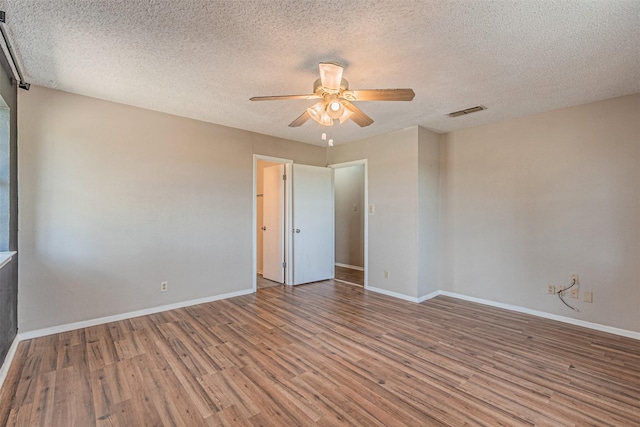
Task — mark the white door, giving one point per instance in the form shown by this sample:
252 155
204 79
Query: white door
273 223
313 224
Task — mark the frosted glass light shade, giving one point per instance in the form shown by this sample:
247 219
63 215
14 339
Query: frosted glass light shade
326 120
335 109
318 113
315 111
346 113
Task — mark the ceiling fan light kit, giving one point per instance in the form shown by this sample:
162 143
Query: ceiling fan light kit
335 96
317 112
335 109
346 115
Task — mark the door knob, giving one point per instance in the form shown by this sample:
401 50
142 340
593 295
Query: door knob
264 228
297 230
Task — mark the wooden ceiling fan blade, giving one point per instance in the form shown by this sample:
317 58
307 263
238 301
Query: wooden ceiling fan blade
283 97
300 120
383 94
358 115
331 75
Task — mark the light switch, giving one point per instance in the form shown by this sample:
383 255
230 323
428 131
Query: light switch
372 209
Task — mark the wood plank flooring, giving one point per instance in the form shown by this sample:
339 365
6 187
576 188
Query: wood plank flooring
262 283
325 354
349 275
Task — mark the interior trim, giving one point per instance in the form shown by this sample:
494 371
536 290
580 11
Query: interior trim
564 319
5 257
101 320
4 369
352 267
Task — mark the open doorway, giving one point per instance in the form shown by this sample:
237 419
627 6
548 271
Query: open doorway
305 222
270 218
351 222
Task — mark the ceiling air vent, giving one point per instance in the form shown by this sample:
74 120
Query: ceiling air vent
467 111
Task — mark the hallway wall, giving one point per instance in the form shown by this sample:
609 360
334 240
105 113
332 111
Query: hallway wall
349 215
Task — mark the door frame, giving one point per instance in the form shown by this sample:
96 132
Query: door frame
365 163
287 216
273 217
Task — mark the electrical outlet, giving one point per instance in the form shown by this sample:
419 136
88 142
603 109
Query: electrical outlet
551 289
587 296
572 278
164 287
573 292
560 289
387 274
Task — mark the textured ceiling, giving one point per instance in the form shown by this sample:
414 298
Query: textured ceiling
205 59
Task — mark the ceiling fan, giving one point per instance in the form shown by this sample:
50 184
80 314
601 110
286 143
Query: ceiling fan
336 98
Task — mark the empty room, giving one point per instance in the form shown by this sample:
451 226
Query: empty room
338 213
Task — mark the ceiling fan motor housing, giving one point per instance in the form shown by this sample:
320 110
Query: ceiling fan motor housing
320 90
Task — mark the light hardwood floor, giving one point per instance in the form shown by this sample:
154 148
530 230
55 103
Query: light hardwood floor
262 283
326 354
349 275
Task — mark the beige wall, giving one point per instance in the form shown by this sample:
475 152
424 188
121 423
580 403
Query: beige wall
115 199
349 215
393 190
428 212
527 202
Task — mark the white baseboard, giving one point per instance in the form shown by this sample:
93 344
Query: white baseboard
403 296
99 321
4 369
347 283
392 294
572 321
352 267
429 296
564 319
